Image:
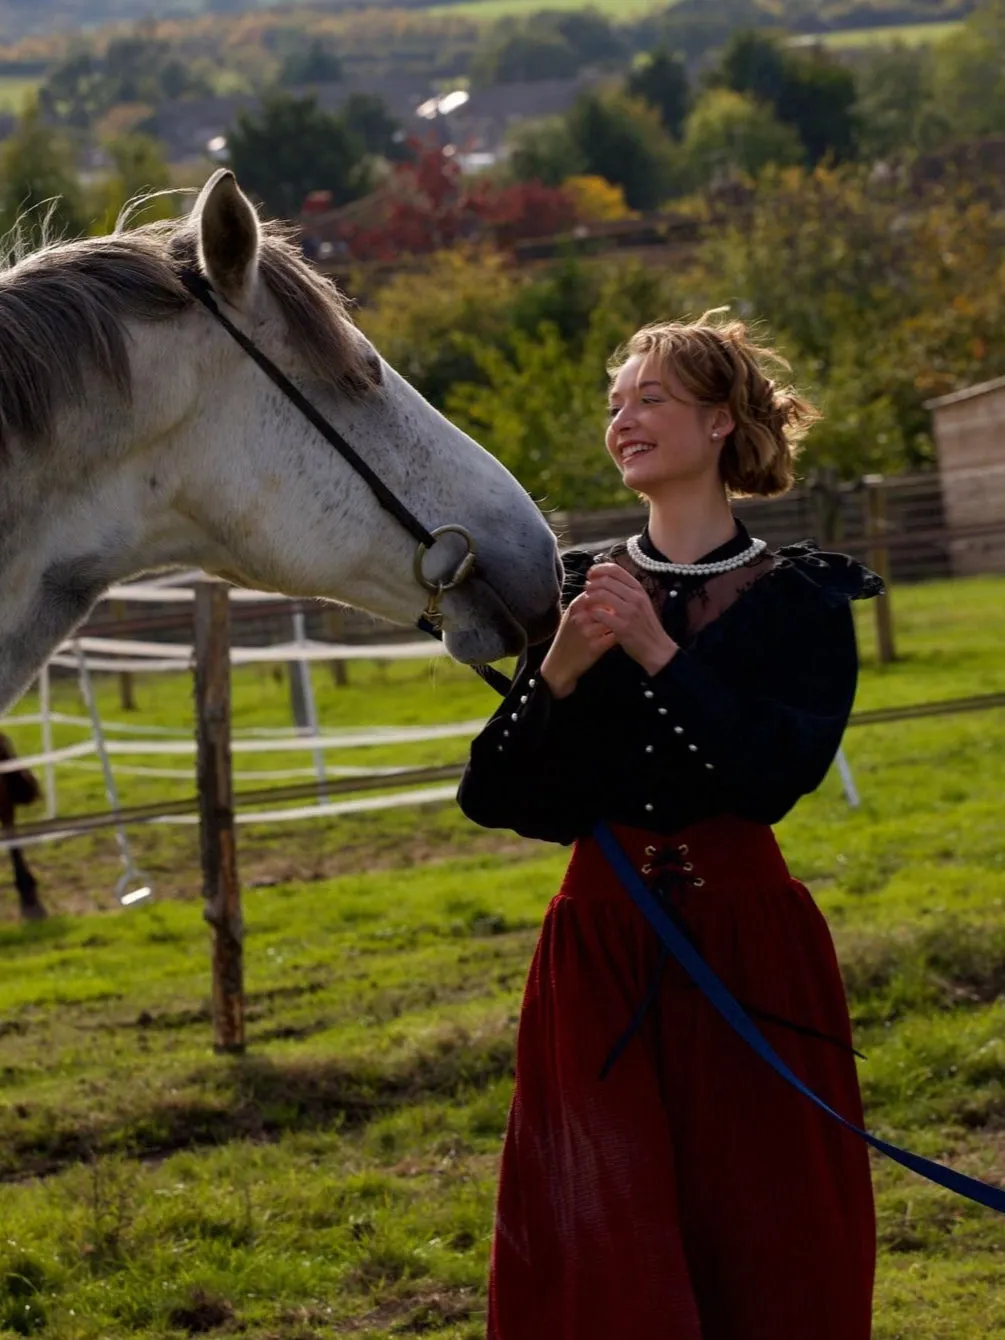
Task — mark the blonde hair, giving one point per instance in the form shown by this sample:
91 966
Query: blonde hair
719 364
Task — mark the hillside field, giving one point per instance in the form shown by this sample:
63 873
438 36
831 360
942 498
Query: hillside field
490 10
340 1178
15 92
908 34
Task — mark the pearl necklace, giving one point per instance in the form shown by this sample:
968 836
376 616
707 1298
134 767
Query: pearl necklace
693 569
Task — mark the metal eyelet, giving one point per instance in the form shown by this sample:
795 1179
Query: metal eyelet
647 869
650 851
688 865
683 849
698 882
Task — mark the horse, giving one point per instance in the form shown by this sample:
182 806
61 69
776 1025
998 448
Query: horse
17 789
139 431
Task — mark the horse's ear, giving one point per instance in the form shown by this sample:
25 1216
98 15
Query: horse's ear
229 236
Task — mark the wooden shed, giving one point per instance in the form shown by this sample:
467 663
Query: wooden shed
969 430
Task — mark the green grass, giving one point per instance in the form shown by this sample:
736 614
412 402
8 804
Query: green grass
341 1177
15 92
910 34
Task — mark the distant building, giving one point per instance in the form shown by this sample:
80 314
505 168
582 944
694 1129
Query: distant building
969 429
479 127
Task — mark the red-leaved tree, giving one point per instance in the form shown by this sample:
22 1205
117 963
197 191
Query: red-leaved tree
427 204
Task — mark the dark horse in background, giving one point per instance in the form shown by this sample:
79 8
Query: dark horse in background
17 789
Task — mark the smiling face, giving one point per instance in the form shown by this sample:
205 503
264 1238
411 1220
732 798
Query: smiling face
659 434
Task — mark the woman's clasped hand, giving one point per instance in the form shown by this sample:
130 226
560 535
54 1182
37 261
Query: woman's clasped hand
614 609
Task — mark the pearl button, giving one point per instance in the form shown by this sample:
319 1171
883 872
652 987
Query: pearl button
505 734
662 711
693 748
514 716
523 697
675 593
678 730
649 749
531 683
710 766
649 809
649 693
500 748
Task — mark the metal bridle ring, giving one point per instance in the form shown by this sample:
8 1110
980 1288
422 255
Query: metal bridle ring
463 570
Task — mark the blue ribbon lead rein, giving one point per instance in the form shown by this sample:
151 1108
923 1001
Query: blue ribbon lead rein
741 1023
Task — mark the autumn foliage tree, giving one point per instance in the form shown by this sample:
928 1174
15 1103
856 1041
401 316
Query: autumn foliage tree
427 204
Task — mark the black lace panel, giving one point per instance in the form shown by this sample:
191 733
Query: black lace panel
686 605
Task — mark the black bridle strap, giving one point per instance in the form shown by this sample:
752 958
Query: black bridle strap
199 287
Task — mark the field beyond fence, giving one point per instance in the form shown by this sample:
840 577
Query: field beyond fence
339 1179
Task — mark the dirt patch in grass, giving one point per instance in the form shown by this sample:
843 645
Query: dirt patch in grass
255 1098
416 1315
202 1314
79 876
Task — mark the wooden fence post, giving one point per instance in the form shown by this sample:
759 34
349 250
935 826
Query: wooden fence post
824 490
127 697
879 561
334 626
221 889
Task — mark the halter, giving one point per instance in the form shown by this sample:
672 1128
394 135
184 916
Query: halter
431 619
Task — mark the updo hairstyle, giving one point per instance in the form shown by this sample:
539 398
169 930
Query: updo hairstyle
719 364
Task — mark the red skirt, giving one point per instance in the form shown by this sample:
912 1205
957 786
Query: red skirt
690 1194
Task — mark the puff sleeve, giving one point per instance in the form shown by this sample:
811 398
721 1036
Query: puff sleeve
753 715
523 769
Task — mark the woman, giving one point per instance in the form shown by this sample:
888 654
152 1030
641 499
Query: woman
659 1181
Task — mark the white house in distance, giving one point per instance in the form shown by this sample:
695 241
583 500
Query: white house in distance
969 430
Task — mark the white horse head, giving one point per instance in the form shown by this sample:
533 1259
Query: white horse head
135 434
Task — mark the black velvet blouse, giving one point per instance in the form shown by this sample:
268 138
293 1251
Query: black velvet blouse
744 719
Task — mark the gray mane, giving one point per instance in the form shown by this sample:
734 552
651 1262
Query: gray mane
64 309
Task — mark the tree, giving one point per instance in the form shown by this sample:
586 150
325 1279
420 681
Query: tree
591 34
550 44
140 170
897 108
968 74
140 68
426 205
134 69
424 323
729 135
819 103
596 199
545 151
524 57
882 299
39 191
366 116
697 29
292 146
541 412
662 82
70 94
754 63
313 64
623 140
807 90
